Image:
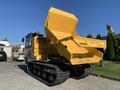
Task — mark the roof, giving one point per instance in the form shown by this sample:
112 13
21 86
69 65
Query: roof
5 43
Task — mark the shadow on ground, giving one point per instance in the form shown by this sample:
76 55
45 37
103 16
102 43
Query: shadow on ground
23 67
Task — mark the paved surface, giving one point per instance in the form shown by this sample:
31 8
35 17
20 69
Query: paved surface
13 76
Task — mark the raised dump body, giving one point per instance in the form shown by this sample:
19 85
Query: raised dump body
61 31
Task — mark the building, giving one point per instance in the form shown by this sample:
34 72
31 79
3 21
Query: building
7 48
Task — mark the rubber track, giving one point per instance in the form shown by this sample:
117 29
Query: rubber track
61 75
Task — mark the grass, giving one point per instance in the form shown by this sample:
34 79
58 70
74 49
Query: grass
109 68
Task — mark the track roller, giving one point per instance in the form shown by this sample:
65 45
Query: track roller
47 73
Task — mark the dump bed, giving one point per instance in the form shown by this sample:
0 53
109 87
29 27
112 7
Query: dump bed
61 31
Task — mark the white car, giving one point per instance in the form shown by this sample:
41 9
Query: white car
21 56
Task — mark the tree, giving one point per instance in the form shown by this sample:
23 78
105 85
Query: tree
100 49
89 36
117 47
98 37
110 44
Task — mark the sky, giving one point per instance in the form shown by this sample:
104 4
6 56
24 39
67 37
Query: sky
19 17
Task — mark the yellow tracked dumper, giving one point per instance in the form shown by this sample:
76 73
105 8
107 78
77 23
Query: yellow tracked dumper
62 53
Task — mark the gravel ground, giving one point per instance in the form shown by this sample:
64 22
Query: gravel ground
13 76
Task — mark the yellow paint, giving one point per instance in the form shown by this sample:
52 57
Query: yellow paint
39 48
61 31
36 47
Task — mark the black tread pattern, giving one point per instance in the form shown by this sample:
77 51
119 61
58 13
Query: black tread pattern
52 69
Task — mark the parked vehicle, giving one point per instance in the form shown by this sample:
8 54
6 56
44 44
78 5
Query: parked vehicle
3 56
20 56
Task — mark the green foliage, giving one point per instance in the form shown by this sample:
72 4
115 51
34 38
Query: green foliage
98 37
89 36
109 69
117 48
110 44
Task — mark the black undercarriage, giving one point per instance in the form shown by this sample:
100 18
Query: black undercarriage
51 73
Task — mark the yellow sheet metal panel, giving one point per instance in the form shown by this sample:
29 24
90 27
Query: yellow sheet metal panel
56 36
63 13
63 51
36 46
72 47
39 48
58 20
94 56
88 42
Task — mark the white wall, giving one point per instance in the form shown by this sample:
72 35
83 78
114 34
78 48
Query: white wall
8 51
